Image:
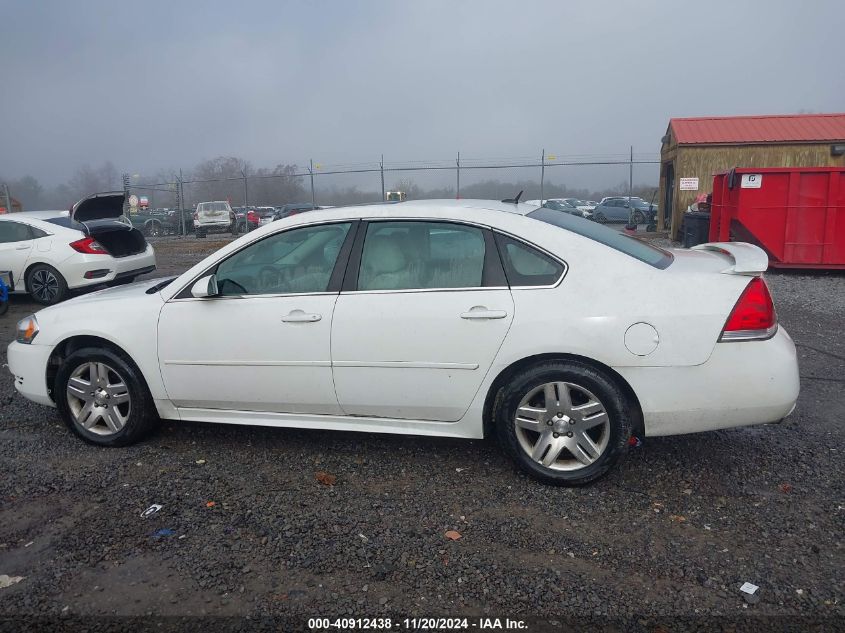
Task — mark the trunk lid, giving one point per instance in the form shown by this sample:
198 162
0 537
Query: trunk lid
100 206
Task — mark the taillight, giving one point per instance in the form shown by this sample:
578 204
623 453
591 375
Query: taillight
753 316
196 215
89 246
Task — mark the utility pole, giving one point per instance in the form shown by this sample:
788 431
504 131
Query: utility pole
458 172
311 173
542 175
383 192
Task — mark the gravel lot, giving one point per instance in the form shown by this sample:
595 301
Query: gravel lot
673 531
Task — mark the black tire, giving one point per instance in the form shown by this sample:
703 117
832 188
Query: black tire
46 285
201 233
142 416
606 391
4 307
153 229
599 217
638 217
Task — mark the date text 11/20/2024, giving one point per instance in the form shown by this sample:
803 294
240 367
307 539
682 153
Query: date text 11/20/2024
415 624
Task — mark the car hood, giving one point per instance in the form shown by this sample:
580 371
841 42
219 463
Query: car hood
100 206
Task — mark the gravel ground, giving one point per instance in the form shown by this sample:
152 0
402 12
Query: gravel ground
674 531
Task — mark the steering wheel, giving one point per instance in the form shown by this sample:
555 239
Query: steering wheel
269 278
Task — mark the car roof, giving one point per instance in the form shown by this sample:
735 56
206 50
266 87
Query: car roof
487 205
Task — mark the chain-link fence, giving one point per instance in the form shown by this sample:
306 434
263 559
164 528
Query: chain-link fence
546 175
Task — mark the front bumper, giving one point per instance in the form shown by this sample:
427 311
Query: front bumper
742 383
28 364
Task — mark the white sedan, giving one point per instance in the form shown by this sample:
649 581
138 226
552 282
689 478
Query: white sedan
52 252
452 318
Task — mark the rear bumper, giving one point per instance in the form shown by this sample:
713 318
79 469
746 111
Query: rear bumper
742 383
28 364
116 267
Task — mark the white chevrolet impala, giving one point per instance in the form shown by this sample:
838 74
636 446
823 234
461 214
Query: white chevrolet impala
452 318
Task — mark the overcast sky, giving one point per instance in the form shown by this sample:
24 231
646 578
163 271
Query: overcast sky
152 85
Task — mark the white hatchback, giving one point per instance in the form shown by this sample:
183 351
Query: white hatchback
52 252
451 318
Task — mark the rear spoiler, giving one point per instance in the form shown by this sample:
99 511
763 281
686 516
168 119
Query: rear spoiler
746 259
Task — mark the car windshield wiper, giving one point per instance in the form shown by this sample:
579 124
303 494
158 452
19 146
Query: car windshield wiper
159 285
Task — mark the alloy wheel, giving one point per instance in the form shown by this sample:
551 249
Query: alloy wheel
562 426
98 398
45 285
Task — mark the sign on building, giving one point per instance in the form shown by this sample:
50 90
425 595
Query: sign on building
689 184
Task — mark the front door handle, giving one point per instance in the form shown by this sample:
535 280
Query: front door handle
25 247
298 316
480 312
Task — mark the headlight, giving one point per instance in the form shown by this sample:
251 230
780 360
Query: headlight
27 330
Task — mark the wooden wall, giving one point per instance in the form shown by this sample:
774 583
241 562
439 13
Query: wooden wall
703 161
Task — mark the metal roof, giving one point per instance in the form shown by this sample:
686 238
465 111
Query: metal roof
781 128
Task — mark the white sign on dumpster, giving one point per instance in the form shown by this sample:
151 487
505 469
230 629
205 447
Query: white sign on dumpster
689 184
751 181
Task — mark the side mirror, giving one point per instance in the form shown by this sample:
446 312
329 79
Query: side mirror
205 287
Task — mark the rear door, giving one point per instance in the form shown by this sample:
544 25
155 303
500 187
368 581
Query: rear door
424 311
16 244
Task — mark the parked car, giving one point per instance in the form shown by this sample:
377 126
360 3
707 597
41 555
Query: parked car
152 223
214 217
53 252
177 221
566 207
456 318
616 209
581 205
288 210
265 215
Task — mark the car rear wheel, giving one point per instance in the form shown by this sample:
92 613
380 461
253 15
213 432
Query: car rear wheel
638 217
103 398
563 423
46 284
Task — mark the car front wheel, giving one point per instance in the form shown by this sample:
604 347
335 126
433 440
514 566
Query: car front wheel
599 217
563 423
103 398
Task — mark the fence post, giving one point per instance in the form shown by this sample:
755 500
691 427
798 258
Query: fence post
381 167
180 192
311 173
542 175
458 172
8 198
630 186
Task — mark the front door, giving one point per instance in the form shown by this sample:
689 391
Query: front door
425 318
263 344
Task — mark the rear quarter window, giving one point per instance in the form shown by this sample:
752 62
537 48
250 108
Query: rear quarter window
631 246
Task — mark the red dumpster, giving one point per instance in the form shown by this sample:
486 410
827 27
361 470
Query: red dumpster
795 214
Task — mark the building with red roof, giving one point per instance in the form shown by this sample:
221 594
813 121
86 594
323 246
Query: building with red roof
695 148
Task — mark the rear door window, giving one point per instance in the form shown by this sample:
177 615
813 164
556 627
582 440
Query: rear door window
14 232
411 255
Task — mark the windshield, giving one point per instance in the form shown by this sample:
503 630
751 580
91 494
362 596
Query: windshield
637 249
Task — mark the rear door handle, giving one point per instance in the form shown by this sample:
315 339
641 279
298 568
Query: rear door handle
480 312
298 316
